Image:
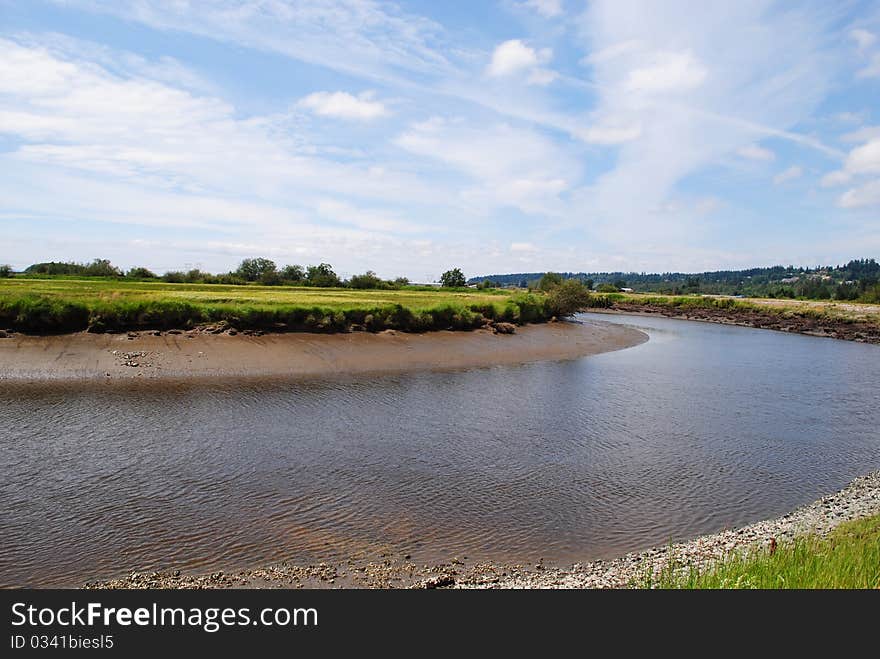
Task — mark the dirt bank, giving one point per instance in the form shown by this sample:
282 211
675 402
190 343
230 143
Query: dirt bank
204 354
836 328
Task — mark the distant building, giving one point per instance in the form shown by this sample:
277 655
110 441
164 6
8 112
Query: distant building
626 290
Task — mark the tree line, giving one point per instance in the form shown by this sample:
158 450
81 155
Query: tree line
250 271
859 279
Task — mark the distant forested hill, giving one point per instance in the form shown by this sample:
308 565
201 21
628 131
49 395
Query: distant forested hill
845 282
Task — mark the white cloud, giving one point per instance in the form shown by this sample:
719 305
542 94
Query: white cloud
864 195
790 174
514 56
698 90
547 8
373 220
755 152
836 178
611 134
667 72
863 161
76 119
342 105
863 38
863 134
507 166
359 37
542 77
523 247
612 52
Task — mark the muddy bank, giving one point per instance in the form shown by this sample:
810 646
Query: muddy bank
848 330
195 353
861 498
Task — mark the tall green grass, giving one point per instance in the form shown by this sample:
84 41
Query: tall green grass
848 558
70 306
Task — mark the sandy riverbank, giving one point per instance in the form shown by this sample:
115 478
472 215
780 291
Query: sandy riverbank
203 354
861 498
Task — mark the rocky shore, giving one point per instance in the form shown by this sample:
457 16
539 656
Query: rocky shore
861 498
815 325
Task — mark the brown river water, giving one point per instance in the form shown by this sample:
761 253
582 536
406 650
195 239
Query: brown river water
701 428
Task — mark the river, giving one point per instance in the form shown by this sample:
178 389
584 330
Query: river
701 428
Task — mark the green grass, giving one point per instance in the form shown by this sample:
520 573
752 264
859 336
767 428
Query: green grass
67 305
848 558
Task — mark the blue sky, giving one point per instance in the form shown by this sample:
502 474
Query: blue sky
411 137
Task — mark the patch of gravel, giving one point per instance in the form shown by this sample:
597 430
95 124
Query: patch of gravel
861 498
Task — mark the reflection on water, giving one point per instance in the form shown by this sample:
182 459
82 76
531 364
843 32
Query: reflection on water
703 427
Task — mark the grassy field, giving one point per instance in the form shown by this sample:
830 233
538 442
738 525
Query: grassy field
848 558
832 310
66 305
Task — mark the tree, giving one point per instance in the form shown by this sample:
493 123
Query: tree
523 283
322 275
401 282
453 279
270 278
568 297
549 281
5 271
195 276
102 268
292 273
140 273
608 288
367 280
253 269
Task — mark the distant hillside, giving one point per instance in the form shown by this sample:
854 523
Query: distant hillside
845 282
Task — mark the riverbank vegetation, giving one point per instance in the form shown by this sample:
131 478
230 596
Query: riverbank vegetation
58 297
59 304
849 557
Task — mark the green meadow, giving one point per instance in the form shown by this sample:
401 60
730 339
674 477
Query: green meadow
56 305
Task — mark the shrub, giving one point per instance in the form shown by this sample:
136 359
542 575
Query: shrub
567 298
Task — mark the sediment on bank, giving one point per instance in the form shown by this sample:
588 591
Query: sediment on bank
203 354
